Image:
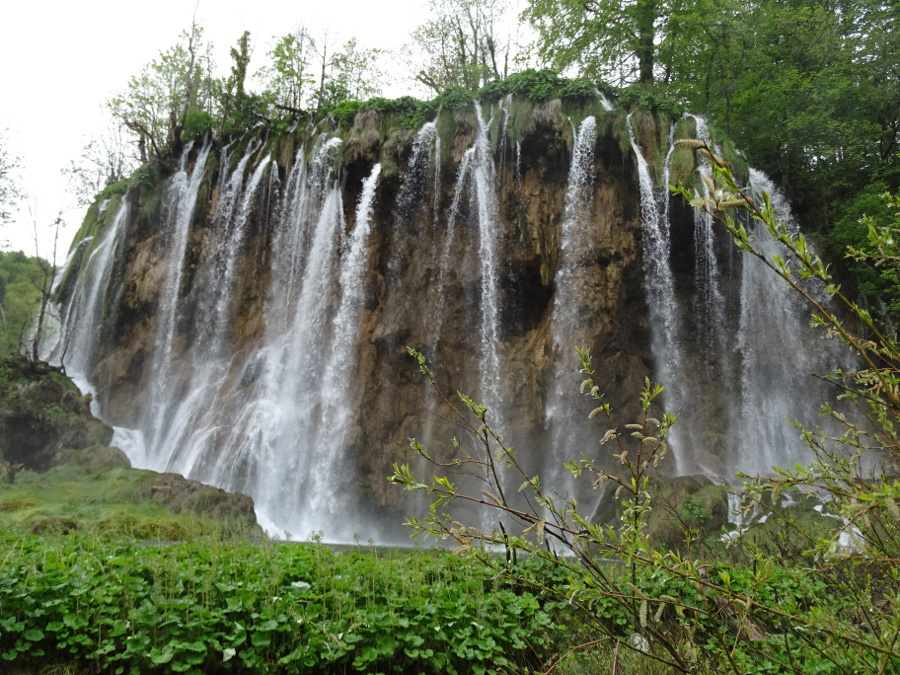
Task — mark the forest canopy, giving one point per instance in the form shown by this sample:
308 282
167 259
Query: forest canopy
809 90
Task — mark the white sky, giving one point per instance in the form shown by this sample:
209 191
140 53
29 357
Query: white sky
61 59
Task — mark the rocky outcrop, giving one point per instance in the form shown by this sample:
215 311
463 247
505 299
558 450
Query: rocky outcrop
180 495
234 332
44 418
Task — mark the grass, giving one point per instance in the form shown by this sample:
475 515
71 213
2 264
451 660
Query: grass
106 502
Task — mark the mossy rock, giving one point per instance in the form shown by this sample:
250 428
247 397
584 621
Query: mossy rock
96 458
683 504
44 414
14 504
54 525
135 527
678 505
181 495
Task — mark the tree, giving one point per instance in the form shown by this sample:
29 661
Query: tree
606 39
20 281
9 188
810 90
238 108
348 73
45 286
157 101
355 73
104 160
289 76
461 45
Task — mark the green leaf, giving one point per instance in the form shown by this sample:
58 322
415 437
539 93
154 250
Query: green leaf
33 635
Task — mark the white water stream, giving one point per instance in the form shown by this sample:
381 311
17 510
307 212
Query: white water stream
273 412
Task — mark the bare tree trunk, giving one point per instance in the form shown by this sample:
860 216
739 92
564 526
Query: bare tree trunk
49 270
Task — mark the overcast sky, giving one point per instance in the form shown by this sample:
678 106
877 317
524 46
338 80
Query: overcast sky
61 59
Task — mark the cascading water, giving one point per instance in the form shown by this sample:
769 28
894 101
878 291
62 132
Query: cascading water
339 400
773 323
277 332
475 180
711 305
659 283
282 432
484 182
83 313
577 248
181 201
734 418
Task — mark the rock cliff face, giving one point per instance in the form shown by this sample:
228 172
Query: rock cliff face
247 315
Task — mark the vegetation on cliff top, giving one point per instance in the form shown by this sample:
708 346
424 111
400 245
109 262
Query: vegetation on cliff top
807 89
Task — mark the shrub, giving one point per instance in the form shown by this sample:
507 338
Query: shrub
455 98
121 606
197 124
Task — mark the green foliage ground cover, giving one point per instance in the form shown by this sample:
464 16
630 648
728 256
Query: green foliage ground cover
124 606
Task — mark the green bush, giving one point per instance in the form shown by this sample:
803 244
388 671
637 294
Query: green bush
345 111
580 91
455 98
803 594
209 606
536 85
197 124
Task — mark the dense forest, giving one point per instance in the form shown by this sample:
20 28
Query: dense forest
806 579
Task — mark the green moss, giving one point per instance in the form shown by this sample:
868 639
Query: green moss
149 207
738 164
98 216
455 98
682 162
521 116
108 501
684 504
394 150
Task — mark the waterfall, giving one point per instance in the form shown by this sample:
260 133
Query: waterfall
82 315
181 199
733 416
340 395
475 179
488 226
270 422
658 280
666 333
284 426
780 355
412 194
711 305
577 246
272 358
